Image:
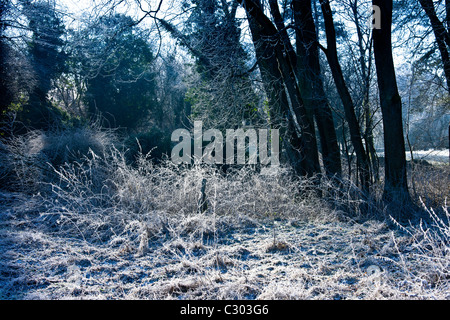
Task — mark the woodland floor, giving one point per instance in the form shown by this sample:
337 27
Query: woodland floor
247 259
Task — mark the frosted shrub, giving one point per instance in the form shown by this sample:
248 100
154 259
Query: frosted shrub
169 194
433 247
426 266
23 165
27 160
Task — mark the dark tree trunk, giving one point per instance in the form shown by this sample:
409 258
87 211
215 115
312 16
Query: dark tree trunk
6 97
311 85
441 34
396 187
349 108
302 120
447 14
280 71
275 91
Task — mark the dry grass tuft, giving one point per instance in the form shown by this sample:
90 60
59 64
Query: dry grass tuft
431 183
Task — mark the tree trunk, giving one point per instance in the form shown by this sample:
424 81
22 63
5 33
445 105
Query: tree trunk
349 108
395 187
366 71
275 91
442 35
279 68
447 14
311 85
301 119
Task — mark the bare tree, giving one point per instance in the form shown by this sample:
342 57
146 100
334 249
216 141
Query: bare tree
349 108
300 119
363 64
311 82
396 186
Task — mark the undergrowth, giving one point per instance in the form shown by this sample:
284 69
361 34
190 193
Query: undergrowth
81 205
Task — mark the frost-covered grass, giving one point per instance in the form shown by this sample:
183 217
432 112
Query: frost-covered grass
101 229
